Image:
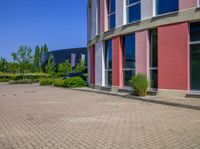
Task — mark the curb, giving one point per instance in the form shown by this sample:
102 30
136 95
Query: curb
180 105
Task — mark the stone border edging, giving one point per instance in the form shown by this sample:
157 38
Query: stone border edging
180 105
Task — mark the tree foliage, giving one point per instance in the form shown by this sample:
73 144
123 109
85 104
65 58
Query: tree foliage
51 66
80 67
37 59
45 48
64 69
23 58
3 65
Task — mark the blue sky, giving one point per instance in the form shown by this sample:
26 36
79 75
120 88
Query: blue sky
58 23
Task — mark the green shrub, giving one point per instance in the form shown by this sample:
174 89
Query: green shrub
140 84
58 83
24 81
4 80
33 76
74 82
46 81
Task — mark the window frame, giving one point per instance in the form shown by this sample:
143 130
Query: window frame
127 8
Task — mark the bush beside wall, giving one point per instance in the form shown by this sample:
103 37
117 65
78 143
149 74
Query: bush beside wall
74 82
140 84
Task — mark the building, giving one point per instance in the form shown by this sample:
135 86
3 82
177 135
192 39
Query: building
73 55
160 38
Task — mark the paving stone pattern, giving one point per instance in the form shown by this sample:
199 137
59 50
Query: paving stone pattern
46 117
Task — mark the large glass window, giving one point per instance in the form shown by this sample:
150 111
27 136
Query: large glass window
133 10
153 58
128 58
111 13
195 56
108 62
166 6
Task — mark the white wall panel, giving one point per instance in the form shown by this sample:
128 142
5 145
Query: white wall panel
120 7
99 64
146 9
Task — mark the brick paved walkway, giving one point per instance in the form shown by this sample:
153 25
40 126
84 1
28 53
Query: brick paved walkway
47 117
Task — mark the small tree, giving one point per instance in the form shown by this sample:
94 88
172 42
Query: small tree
23 58
80 67
3 65
37 58
45 48
13 67
51 66
140 84
64 69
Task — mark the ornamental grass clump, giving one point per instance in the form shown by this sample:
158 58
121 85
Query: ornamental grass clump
140 84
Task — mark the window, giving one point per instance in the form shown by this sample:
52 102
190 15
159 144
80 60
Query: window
111 13
153 58
133 10
128 58
195 56
166 6
108 62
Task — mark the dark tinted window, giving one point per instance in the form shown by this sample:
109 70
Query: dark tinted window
111 13
195 31
111 21
131 1
166 6
195 66
108 54
154 48
129 51
133 12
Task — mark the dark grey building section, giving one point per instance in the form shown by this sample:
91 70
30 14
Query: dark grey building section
65 54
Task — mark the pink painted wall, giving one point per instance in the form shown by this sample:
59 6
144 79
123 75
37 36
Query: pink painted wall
117 62
105 15
102 16
92 64
142 52
173 57
185 4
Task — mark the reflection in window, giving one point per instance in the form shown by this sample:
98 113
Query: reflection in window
111 13
154 58
128 58
108 62
166 6
133 10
